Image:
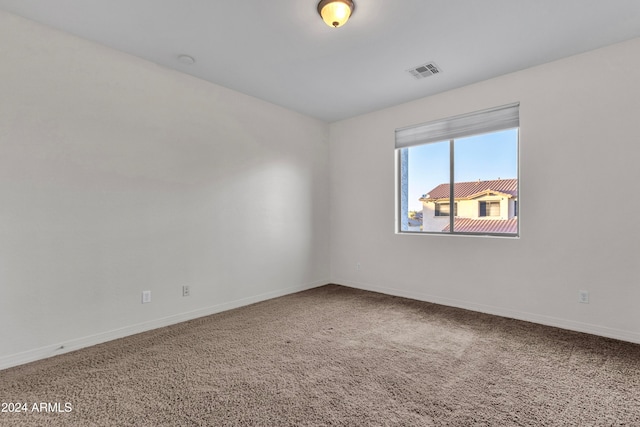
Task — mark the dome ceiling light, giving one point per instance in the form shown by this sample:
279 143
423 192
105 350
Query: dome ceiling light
335 13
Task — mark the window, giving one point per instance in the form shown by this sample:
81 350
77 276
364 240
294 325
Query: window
470 161
489 208
444 209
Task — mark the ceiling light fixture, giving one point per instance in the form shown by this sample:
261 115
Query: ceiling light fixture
335 13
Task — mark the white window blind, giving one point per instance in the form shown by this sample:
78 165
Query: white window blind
489 208
442 209
490 120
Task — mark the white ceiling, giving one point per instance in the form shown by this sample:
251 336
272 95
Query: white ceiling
282 52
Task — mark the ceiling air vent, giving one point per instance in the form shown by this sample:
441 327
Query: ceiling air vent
425 70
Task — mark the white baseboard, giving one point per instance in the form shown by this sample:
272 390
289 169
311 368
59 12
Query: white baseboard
571 325
76 344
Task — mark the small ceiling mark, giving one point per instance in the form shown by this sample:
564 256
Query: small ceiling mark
186 59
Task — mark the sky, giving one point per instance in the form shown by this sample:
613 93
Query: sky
485 157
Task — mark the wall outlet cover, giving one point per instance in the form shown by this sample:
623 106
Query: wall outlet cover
583 297
146 297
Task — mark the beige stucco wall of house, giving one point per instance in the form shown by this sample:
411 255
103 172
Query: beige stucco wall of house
466 209
430 222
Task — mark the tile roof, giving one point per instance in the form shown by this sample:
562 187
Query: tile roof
464 190
469 225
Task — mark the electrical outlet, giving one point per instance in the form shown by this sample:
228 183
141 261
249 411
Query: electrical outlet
583 297
358 266
146 297
186 291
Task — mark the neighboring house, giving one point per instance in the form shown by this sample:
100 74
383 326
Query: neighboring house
415 222
479 206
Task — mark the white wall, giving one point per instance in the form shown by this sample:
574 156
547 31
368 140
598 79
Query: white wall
578 158
118 176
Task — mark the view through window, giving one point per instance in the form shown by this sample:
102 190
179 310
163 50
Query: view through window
477 173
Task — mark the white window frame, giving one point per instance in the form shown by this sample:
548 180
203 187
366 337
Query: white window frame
476 123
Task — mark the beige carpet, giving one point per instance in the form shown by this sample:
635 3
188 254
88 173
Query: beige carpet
337 356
